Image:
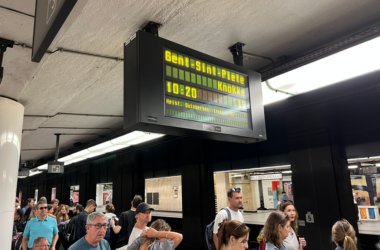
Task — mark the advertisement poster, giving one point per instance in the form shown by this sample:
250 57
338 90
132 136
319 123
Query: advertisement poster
76 196
276 187
35 195
107 194
53 194
20 196
175 191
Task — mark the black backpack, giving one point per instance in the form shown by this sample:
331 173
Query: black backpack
210 231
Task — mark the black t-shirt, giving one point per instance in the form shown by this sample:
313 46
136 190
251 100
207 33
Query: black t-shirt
127 221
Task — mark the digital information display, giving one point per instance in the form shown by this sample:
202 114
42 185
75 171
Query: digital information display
203 92
174 90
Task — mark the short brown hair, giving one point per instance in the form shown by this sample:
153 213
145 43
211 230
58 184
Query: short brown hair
271 232
230 228
91 202
344 234
55 200
110 208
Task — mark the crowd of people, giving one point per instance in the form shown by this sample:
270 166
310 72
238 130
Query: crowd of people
49 226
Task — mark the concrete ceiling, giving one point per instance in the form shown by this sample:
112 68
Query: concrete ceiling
73 83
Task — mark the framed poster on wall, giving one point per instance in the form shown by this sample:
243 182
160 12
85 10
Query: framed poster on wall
149 198
175 191
35 195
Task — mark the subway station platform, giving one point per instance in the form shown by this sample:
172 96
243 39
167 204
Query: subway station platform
259 218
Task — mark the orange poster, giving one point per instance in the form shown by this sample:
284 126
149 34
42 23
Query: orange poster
363 213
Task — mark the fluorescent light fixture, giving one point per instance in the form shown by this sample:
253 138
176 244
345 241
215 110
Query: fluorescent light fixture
163 177
128 137
287 172
94 154
357 60
65 159
43 167
238 175
358 159
145 138
80 153
75 160
31 173
100 146
114 148
374 157
21 177
353 166
378 165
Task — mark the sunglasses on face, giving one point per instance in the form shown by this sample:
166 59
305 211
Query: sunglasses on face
99 226
237 228
235 189
42 208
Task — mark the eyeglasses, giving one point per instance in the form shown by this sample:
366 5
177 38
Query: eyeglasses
99 226
46 246
42 208
235 189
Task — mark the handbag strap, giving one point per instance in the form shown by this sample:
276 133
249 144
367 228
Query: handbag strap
100 244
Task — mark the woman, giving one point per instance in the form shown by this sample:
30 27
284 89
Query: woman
291 242
158 236
51 211
110 209
34 212
111 237
343 234
62 220
233 234
276 230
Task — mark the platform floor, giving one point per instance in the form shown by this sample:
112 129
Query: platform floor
259 218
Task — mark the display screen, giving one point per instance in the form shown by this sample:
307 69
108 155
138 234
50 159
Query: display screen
200 91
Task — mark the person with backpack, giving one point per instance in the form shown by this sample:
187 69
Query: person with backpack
231 212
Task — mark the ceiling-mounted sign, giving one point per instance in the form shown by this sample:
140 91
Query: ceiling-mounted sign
266 177
172 89
23 172
49 18
55 167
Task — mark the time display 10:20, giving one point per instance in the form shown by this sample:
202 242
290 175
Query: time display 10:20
220 95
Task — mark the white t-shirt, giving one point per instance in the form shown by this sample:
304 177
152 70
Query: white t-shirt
136 232
222 215
291 242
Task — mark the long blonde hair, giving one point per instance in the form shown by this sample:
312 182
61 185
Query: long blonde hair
60 216
158 225
271 233
32 215
344 234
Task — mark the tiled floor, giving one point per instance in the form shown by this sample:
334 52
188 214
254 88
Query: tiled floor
259 218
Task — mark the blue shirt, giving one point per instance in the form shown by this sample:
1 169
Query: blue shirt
40 228
285 198
339 248
81 225
83 245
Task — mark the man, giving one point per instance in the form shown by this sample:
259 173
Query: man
55 203
71 226
41 226
82 219
30 204
284 197
43 198
96 226
126 223
143 217
19 223
40 243
236 201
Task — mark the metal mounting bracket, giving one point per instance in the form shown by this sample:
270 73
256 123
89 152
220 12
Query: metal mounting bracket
237 53
56 148
4 44
152 28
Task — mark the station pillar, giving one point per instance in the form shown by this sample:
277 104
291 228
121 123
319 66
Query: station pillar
11 122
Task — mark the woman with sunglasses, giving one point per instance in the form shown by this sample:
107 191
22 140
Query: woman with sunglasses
233 234
276 230
291 242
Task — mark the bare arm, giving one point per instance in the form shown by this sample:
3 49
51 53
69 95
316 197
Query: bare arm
55 239
24 243
176 237
215 238
116 229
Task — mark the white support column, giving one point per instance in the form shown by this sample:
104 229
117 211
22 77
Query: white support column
11 122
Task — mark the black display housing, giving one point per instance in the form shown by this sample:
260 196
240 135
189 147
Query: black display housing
144 94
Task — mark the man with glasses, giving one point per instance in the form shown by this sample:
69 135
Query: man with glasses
40 243
236 201
96 227
41 226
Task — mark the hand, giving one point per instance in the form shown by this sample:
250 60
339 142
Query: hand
303 242
112 223
151 232
143 233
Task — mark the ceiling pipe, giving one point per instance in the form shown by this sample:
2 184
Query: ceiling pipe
277 90
34 129
73 114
